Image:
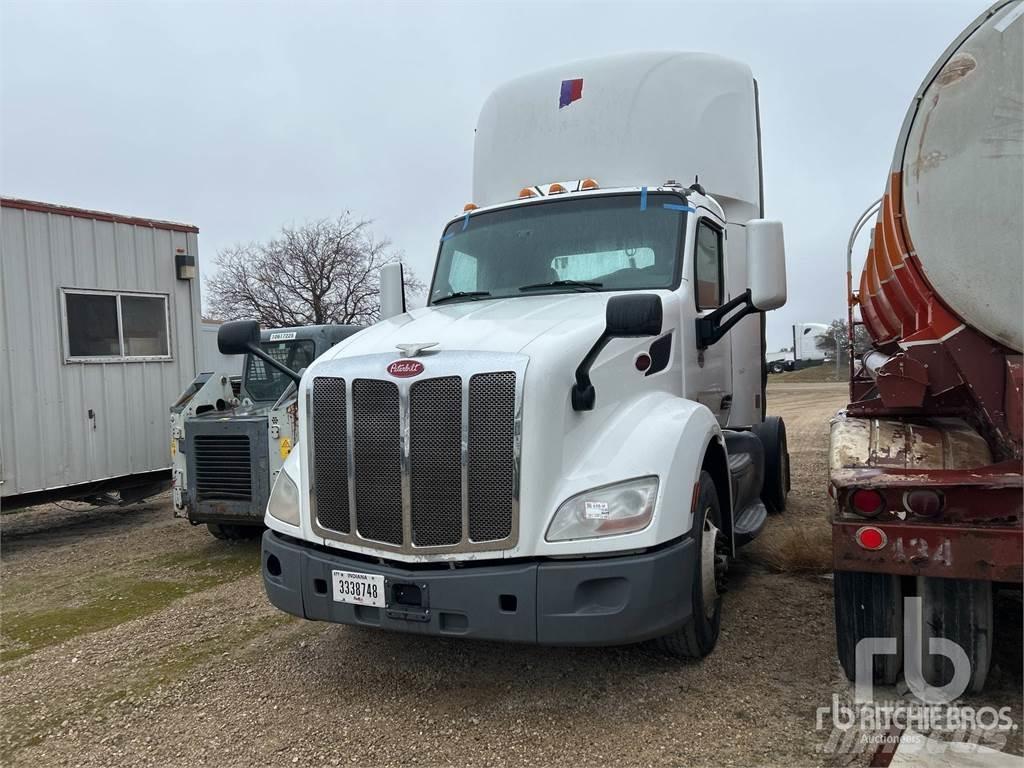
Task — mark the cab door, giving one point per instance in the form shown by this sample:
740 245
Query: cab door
710 373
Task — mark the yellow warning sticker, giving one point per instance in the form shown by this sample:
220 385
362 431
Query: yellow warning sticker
286 448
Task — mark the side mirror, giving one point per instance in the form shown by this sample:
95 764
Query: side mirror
238 336
392 290
766 272
242 337
766 264
625 316
633 315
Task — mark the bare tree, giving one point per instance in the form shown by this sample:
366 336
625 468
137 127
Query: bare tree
325 271
837 330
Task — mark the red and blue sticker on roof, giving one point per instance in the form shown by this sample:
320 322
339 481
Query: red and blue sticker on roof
572 90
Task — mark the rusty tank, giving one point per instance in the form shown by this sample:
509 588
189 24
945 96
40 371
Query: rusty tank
925 461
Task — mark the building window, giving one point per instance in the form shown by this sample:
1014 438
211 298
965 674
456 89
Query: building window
106 326
708 266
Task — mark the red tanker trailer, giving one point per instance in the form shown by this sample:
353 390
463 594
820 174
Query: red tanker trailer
925 461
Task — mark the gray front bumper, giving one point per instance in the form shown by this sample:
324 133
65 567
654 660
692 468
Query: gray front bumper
601 601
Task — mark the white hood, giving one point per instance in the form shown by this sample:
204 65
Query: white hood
495 325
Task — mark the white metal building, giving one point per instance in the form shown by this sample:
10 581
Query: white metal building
99 326
210 358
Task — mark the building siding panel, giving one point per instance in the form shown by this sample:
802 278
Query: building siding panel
47 439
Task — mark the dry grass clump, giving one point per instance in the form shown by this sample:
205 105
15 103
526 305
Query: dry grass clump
794 547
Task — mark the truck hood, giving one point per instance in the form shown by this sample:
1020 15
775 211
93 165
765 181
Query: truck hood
496 325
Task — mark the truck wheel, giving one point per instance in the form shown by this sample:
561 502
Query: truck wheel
777 367
231 532
775 489
959 610
698 636
868 605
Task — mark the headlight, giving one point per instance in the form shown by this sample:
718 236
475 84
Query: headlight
284 499
606 511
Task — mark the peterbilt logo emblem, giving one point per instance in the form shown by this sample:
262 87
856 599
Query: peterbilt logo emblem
404 369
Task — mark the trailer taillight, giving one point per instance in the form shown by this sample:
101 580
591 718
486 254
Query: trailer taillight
871 538
923 503
866 502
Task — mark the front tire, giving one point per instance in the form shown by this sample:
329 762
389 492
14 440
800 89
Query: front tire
697 638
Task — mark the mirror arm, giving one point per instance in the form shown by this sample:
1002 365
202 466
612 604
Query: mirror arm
296 377
583 394
712 327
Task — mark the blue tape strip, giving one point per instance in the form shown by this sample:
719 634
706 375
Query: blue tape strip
643 198
675 207
465 226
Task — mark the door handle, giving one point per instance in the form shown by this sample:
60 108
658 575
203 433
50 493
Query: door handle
726 402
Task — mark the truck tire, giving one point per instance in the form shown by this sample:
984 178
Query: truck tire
959 610
777 367
775 489
868 605
232 532
697 638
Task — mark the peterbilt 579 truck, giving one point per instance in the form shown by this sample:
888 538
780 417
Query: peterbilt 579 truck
230 437
568 442
926 460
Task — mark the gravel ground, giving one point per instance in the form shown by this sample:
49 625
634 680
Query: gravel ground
129 637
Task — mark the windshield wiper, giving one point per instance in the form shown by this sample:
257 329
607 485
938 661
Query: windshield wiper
462 295
587 285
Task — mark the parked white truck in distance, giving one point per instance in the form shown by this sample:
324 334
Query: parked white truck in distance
567 444
805 352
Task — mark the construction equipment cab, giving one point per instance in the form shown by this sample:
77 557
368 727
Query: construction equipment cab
229 437
567 443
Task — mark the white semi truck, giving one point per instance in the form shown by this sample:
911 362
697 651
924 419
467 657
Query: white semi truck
805 352
568 442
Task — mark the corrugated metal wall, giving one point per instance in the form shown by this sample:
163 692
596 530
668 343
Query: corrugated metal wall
46 436
210 358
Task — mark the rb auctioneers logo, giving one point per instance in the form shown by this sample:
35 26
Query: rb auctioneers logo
870 724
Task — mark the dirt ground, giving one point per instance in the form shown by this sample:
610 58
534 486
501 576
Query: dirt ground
129 637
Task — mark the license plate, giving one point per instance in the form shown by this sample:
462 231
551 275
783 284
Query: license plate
358 588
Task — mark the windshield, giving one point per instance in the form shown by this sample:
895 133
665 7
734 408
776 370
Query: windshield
264 382
615 243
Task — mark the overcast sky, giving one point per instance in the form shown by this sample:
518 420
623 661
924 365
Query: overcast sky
241 117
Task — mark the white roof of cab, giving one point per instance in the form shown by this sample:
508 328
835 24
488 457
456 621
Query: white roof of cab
636 120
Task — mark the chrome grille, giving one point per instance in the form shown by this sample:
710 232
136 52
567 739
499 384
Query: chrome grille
429 464
377 450
491 475
435 459
330 462
223 467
